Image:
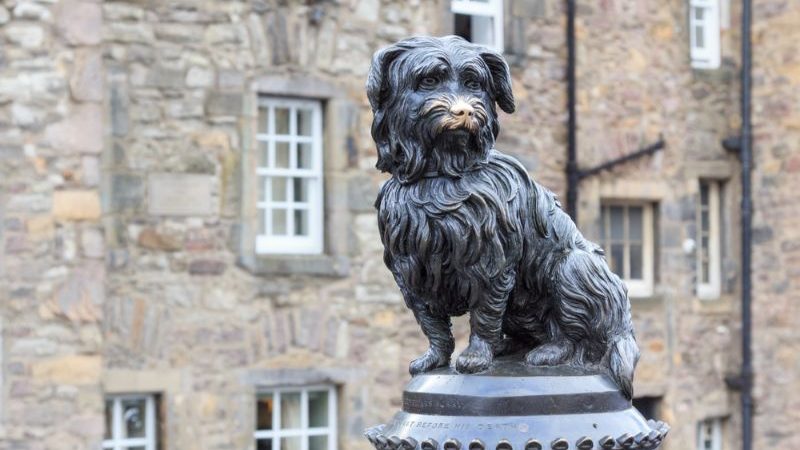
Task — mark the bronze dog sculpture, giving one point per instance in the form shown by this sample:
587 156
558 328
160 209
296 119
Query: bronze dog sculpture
465 229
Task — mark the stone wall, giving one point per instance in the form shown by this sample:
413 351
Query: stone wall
776 222
106 108
52 270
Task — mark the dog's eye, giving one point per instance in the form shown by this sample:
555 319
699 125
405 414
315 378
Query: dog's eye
428 82
473 84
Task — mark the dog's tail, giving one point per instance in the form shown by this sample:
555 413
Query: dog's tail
622 357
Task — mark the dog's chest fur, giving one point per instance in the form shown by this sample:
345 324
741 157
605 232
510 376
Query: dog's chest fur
446 238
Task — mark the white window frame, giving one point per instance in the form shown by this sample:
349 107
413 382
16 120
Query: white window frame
489 8
266 243
707 56
715 424
643 287
712 288
304 431
118 423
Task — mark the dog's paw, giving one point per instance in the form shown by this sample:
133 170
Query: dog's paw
550 354
432 359
476 358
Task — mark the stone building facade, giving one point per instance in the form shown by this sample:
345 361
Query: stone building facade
129 139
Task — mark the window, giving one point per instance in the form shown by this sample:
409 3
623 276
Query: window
648 406
130 422
709 434
479 21
704 33
296 419
627 237
708 243
289 177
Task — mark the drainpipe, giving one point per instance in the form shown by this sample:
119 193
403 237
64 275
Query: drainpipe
746 152
573 177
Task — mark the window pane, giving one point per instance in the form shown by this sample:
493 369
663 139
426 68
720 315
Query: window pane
304 155
279 222
300 189
263 120
282 121
263 154
279 191
704 222
264 406
290 443
617 223
698 13
304 122
704 195
137 447
133 413
300 222
699 38
635 223
462 26
264 444
704 272
282 155
290 411
262 221
636 261
617 261
318 443
109 418
483 30
317 408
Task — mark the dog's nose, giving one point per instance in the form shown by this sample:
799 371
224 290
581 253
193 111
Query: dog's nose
462 109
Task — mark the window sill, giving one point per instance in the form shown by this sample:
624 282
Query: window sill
318 265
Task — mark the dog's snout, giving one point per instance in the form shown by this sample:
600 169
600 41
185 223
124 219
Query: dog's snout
462 109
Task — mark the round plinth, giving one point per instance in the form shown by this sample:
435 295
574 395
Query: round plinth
516 407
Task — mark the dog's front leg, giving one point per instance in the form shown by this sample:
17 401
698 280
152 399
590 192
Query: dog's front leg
486 326
437 330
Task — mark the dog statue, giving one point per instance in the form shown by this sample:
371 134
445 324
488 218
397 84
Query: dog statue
465 229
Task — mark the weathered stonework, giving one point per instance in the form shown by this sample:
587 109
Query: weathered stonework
100 294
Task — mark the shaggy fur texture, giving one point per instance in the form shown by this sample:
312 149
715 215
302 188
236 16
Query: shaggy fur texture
465 229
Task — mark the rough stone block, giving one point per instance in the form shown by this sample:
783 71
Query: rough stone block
179 194
86 82
80 132
76 205
206 267
224 104
153 240
69 369
80 23
26 35
127 193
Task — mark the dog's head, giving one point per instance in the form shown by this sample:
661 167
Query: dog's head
433 101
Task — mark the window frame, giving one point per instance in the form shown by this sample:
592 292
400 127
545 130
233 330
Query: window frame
269 244
149 442
713 288
716 430
708 56
492 9
637 288
304 432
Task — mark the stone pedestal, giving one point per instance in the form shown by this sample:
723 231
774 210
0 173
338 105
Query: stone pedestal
515 407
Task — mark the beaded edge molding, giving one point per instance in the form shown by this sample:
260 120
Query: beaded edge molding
626 441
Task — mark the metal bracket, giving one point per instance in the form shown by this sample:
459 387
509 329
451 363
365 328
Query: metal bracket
608 165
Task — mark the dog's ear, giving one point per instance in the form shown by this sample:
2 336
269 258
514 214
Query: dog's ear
378 79
501 79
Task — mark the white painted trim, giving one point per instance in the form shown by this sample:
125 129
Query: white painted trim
712 289
266 242
117 442
708 56
304 431
489 8
637 288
